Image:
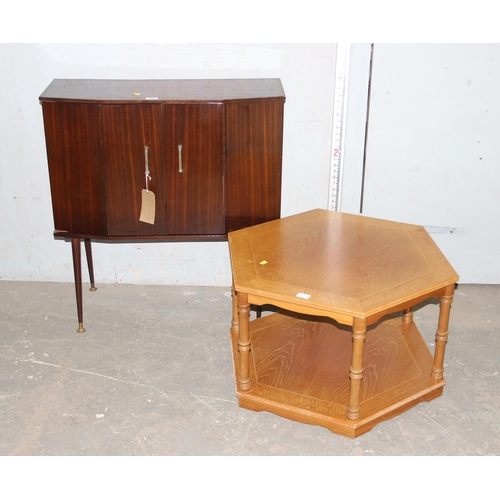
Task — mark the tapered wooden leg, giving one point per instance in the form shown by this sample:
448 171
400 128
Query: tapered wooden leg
356 370
77 268
442 334
244 382
90 264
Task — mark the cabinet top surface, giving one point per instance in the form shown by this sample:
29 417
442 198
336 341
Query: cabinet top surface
347 264
151 91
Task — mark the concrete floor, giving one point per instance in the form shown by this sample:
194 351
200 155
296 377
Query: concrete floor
153 376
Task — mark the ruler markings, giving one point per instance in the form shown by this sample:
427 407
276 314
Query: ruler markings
339 119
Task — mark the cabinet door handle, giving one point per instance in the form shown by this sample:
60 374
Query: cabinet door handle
146 163
179 149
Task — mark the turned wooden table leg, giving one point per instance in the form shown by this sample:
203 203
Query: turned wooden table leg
442 334
235 322
356 370
408 315
244 382
77 268
90 265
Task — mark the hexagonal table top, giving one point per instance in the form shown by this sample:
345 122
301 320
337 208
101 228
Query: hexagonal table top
337 262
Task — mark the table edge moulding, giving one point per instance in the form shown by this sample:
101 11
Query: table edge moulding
161 160
339 348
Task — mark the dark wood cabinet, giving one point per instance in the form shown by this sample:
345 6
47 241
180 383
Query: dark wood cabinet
209 150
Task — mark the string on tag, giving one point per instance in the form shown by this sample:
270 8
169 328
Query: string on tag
148 177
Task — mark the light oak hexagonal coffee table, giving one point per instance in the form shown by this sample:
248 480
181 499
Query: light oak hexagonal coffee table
334 354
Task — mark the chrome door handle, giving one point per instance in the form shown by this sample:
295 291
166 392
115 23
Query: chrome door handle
179 149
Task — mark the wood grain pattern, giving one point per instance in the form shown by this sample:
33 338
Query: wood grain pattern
74 153
299 367
349 265
140 91
195 196
231 132
254 139
294 355
332 357
127 130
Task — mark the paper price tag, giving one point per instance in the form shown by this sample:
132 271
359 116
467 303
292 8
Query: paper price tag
148 207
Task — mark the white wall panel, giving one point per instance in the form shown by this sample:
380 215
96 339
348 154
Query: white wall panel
432 153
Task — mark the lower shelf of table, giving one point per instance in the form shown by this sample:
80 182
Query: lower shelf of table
299 368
